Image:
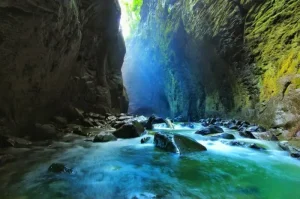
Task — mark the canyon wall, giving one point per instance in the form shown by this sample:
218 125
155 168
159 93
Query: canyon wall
229 58
59 54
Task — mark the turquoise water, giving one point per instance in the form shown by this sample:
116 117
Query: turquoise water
126 168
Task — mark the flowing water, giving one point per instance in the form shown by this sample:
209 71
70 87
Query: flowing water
128 169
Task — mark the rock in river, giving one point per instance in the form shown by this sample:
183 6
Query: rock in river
212 129
130 130
104 137
177 143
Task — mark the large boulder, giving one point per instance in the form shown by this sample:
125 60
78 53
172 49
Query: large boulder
104 137
130 130
165 142
212 129
177 143
186 144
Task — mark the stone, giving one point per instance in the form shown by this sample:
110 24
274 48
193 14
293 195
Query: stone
78 130
130 130
153 120
246 134
88 122
165 142
177 143
145 140
256 129
245 144
227 136
60 120
104 137
267 135
256 147
59 168
293 151
44 131
212 129
111 118
232 126
186 144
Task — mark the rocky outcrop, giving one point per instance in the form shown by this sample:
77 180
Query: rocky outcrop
56 53
222 57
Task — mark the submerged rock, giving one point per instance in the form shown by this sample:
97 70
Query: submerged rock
130 130
145 140
213 129
177 143
104 137
59 168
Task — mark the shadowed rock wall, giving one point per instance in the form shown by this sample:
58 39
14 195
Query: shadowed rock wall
58 53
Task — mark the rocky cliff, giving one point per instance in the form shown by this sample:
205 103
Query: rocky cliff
59 54
237 58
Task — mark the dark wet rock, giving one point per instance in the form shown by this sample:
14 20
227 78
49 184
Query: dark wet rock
118 124
186 144
153 120
130 130
44 131
78 130
211 121
165 142
205 124
256 147
104 137
256 129
111 118
88 122
190 125
213 129
246 134
177 143
267 135
245 144
145 140
227 136
59 168
72 113
61 121
6 158
294 152
232 126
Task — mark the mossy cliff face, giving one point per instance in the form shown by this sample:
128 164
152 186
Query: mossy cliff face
228 58
59 53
